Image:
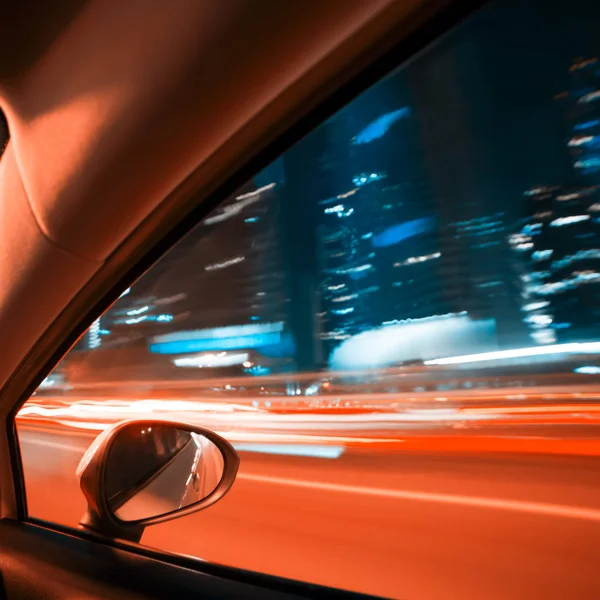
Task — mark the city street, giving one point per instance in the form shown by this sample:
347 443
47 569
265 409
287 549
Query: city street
412 524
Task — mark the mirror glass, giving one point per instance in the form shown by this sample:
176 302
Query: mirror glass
152 470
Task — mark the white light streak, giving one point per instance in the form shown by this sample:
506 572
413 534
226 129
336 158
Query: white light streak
225 263
572 348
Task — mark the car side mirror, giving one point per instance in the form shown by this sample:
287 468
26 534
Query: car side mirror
139 473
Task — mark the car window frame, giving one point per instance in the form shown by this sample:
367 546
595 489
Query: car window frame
404 43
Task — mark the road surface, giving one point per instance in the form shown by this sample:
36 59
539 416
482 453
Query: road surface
413 525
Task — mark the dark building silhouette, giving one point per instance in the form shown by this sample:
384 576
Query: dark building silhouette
582 103
559 241
475 273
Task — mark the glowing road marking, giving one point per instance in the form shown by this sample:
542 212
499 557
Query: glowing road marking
538 508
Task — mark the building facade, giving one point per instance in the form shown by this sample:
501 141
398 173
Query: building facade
217 299
559 242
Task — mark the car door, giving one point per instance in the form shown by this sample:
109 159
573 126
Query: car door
390 348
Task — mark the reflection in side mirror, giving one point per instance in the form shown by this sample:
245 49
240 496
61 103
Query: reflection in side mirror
154 471
144 472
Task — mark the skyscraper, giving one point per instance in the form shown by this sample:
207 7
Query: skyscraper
583 110
405 243
221 290
359 207
561 278
475 273
559 241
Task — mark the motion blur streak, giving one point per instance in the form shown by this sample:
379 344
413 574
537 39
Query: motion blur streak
420 493
432 517
571 512
573 348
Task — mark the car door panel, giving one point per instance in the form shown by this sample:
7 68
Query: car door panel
37 562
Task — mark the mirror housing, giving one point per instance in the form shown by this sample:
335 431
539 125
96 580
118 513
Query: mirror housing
96 469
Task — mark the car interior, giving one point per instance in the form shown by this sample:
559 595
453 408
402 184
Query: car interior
126 123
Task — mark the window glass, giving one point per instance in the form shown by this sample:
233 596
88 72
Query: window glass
397 325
